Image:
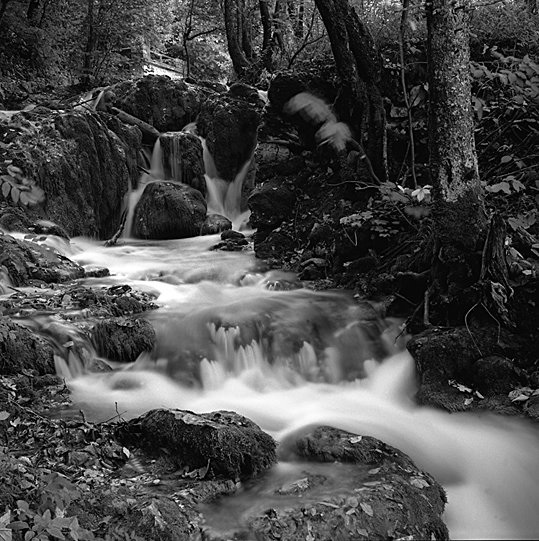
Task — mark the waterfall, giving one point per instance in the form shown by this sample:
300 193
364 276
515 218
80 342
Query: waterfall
156 172
222 197
225 197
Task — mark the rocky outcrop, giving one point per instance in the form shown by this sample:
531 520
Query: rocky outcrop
25 262
229 127
457 374
271 203
123 339
72 168
166 104
20 349
182 158
169 210
223 442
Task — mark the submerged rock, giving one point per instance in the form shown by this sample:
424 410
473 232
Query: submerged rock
215 223
123 339
169 210
225 443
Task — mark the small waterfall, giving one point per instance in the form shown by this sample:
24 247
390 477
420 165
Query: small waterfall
225 197
156 172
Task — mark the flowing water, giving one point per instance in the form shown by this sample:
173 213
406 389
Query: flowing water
233 337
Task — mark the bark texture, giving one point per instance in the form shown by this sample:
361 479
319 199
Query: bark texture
453 161
235 37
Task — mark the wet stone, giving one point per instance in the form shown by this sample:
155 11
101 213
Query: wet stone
225 443
123 339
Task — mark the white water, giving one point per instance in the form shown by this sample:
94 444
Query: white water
488 465
222 197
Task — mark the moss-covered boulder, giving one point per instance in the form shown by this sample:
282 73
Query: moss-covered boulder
225 443
382 496
71 167
166 104
20 349
123 339
25 261
169 210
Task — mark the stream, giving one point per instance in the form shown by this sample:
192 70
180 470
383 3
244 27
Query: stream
233 337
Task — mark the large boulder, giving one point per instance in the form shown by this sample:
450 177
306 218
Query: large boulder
182 159
72 168
229 127
223 442
166 104
169 210
21 349
455 362
271 203
368 490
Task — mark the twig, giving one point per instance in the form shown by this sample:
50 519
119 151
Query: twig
468 328
112 241
496 320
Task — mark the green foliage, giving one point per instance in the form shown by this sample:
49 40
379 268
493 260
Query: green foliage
391 211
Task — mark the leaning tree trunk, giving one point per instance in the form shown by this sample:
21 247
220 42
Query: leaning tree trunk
359 68
460 217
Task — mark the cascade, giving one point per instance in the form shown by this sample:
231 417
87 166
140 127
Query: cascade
290 360
225 197
156 172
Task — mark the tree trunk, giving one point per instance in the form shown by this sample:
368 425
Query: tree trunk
90 45
460 215
234 36
359 68
265 18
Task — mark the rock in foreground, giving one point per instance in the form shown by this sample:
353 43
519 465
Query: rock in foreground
368 490
225 443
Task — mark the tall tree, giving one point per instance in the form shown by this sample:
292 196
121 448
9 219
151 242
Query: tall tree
460 219
359 67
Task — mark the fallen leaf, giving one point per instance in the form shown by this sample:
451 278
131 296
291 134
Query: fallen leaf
419 482
366 508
